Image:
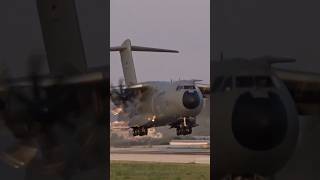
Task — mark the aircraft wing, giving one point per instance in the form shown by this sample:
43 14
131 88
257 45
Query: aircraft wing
139 86
205 89
133 88
98 74
304 88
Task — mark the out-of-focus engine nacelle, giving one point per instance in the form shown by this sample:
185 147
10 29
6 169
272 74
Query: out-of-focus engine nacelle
255 125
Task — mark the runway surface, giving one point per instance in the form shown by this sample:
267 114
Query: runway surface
166 154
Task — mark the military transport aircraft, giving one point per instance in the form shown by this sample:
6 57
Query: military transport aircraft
156 103
59 119
255 115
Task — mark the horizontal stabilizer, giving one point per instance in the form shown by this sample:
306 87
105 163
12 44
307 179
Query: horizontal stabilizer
141 48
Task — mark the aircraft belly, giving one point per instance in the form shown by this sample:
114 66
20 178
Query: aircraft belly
139 121
165 121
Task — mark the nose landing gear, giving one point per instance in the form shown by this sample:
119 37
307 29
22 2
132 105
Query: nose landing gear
184 131
184 126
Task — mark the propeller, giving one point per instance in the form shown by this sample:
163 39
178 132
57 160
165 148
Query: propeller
29 115
120 96
40 107
48 123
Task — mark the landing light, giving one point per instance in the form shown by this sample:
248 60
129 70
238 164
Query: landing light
116 111
153 118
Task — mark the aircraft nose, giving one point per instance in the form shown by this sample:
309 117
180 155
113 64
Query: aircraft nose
259 123
191 100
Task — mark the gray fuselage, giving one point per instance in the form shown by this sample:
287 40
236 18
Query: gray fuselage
164 103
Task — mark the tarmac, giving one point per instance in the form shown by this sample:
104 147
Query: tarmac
163 154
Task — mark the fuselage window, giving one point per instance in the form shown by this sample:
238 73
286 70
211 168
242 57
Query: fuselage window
244 81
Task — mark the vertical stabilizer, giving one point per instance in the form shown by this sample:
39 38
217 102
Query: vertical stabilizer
62 37
127 63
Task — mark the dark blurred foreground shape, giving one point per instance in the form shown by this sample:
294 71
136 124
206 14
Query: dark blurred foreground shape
284 28
54 126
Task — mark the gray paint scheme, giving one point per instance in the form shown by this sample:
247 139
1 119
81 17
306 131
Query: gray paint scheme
162 100
158 103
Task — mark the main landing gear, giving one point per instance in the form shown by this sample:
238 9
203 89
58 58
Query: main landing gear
184 126
140 131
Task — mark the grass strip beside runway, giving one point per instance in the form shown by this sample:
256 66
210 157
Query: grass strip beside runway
125 170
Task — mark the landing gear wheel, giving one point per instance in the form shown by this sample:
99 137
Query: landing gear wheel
140 131
184 131
184 125
145 131
135 131
178 131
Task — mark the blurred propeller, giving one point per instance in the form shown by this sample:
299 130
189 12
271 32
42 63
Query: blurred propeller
20 122
44 120
120 95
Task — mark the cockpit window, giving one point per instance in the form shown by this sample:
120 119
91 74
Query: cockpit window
263 81
188 87
222 83
244 81
185 87
253 81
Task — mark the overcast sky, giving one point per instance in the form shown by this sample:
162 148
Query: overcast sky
183 25
244 28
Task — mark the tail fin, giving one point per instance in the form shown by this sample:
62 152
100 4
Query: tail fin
62 36
127 61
